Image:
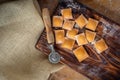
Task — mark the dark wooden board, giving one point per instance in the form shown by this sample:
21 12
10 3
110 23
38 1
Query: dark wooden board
104 66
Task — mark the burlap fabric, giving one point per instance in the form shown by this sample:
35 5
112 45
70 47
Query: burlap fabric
20 28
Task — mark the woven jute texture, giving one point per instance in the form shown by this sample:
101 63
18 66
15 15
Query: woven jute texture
20 28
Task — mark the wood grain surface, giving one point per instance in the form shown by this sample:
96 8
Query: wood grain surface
104 66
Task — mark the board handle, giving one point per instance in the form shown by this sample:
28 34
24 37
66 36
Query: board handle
47 23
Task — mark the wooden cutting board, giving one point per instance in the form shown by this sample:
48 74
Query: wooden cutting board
104 66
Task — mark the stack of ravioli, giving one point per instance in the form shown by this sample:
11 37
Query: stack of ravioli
67 35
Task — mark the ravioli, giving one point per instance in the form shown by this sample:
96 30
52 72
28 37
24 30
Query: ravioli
80 53
81 21
92 24
68 43
68 25
100 46
72 33
59 36
81 39
57 21
67 13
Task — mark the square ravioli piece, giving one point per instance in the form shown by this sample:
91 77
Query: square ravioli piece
72 33
81 39
68 25
68 43
80 53
100 46
57 21
59 36
90 36
92 24
67 13
81 21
